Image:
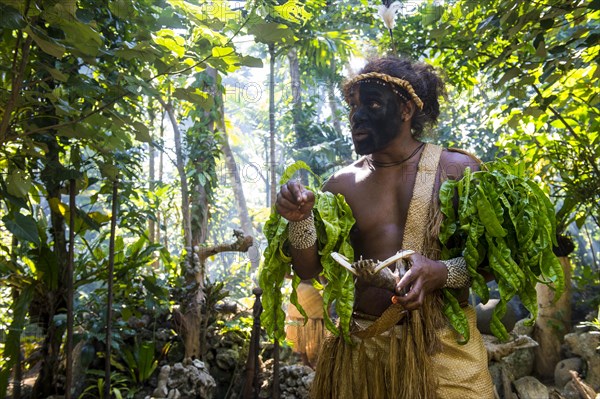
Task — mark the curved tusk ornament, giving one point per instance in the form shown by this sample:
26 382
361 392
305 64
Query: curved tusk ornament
399 255
343 261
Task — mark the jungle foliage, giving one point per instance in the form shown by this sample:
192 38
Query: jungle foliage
92 92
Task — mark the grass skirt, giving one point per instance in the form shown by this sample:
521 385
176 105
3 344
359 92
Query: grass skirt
396 365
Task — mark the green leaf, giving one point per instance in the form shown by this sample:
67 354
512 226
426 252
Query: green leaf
431 14
291 170
93 220
83 38
491 21
143 51
496 325
23 227
81 131
18 202
488 217
293 11
447 207
18 183
170 40
58 75
153 288
456 316
219 52
333 221
123 9
48 45
147 362
252 62
508 75
510 235
142 133
10 18
195 96
271 32
296 280
547 23
48 267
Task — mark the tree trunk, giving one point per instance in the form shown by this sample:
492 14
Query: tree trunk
46 304
238 189
109 294
152 181
161 163
301 135
70 264
236 184
199 190
272 169
18 369
335 119
553 322
250 387
180 163
296 97
191 316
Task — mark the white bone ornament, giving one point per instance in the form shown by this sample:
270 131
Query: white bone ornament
399 255
343 261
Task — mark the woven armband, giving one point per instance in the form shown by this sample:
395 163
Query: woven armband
458 274
303 234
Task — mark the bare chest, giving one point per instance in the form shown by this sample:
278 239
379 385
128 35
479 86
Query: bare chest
380 203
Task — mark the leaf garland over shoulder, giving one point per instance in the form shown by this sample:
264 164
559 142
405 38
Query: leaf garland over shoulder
333 221
507 227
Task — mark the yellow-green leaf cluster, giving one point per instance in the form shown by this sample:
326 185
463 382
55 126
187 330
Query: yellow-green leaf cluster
507 227
333 221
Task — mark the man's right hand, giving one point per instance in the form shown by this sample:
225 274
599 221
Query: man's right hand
294 201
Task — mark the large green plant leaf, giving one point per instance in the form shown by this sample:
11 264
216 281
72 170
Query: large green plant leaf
271 32
10 18
23 227
48 45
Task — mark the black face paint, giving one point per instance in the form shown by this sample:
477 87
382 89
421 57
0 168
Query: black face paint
375 117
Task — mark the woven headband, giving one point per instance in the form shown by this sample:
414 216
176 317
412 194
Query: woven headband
405 84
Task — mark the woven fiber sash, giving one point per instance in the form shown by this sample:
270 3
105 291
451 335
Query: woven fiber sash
415 230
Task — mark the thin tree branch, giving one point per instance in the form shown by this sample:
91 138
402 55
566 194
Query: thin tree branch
241 244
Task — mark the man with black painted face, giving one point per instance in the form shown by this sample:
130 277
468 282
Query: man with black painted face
375 117
403 347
